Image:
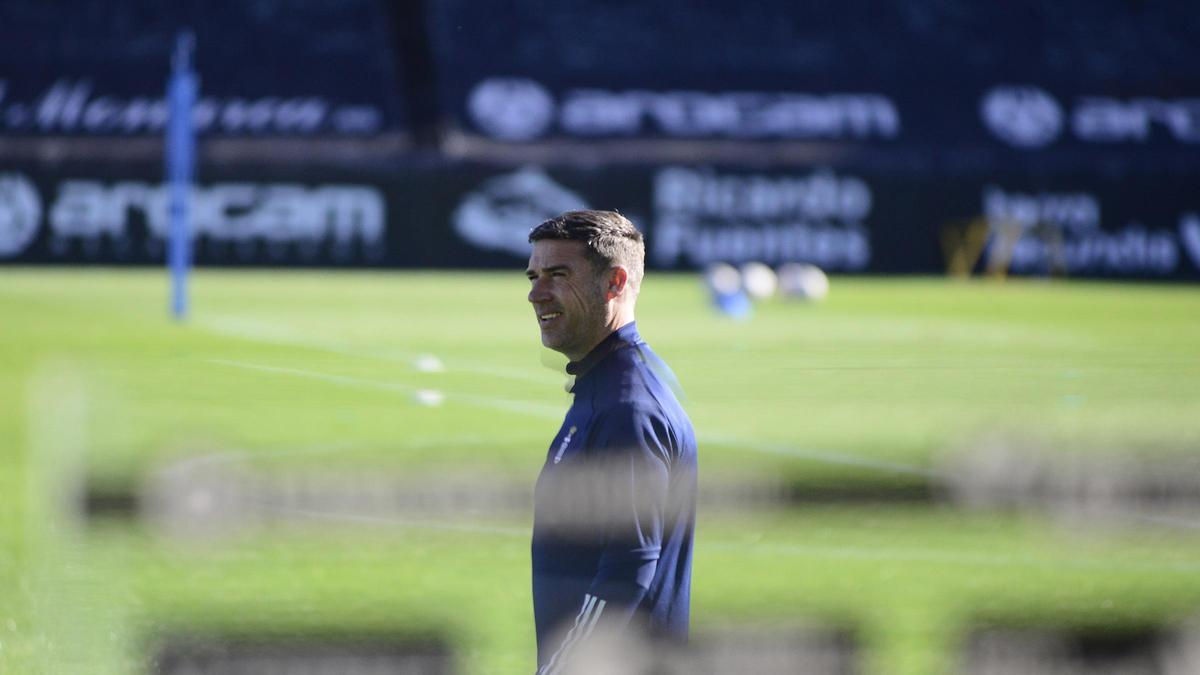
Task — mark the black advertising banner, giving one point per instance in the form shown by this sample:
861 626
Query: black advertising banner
1135 227
109 215
474 216
1081 77
99 68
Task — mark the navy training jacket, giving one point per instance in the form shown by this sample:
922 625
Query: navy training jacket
615 505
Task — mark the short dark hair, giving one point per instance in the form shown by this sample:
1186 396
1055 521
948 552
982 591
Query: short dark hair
610 239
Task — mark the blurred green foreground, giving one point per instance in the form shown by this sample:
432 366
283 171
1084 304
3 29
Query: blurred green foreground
426 374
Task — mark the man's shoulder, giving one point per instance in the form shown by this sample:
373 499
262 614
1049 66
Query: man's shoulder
633 383
638 387
625 410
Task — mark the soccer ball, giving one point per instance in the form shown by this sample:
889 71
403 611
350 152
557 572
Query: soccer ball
758 280
723 279
803 281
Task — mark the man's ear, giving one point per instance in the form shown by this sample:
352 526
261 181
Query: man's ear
618 278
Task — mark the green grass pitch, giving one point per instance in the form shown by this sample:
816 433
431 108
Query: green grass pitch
313 370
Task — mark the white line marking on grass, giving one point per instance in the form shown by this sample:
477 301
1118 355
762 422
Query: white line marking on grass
323 377
282 335
509 405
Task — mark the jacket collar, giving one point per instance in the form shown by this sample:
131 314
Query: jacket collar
625 336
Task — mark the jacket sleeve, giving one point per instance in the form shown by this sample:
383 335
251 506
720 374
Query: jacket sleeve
631 450
629 455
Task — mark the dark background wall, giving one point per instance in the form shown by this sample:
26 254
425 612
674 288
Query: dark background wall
853 135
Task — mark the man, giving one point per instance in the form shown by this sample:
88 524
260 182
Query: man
614 506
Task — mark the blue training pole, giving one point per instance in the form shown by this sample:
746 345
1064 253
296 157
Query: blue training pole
182 89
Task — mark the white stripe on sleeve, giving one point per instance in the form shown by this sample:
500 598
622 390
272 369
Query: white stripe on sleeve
589 601
568 644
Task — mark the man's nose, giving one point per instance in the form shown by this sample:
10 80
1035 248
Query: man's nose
537 293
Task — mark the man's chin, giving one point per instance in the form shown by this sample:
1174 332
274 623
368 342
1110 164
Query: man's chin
551 341
556 343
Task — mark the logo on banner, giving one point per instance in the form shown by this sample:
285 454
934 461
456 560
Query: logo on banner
1042 232
499 215
77 105
520 109
1026 117
241 220
1138 120
704 216
1029 117
20 214
511 109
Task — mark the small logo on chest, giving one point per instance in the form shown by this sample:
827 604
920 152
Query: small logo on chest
562 447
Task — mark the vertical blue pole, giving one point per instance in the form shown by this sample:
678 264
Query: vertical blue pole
182 89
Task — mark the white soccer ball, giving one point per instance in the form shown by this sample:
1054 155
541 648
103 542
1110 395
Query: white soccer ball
723 279
803 281
758 280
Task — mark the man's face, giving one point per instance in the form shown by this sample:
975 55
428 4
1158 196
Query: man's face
568 297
